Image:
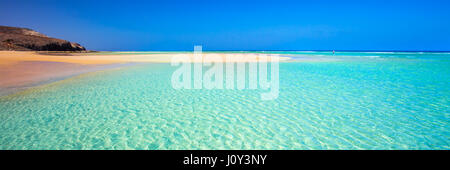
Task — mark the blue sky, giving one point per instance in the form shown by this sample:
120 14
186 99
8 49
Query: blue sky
238 25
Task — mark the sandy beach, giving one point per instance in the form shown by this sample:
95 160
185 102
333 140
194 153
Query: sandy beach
9 57
22 69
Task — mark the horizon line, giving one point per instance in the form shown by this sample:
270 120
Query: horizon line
279 50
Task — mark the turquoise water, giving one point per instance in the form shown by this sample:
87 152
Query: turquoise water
351 100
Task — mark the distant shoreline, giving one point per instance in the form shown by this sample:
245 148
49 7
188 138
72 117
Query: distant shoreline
19 69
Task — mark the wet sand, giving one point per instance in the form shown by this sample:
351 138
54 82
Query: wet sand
22 70
25 74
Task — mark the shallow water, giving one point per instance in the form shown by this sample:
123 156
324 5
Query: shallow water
346 101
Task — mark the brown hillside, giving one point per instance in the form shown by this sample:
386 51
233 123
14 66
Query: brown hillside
23 39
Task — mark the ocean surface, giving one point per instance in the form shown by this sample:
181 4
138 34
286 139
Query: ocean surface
350 100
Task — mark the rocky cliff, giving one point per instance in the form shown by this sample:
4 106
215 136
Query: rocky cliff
23 39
